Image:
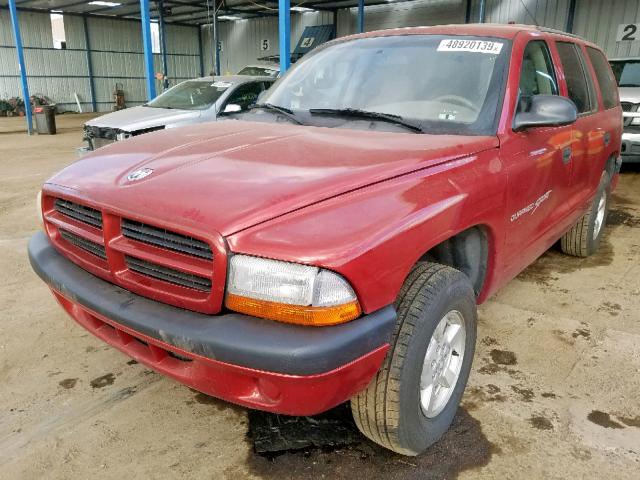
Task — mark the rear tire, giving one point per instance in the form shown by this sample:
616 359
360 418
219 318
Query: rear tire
432 347
584 237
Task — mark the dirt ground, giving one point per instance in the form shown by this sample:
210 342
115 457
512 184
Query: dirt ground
553 392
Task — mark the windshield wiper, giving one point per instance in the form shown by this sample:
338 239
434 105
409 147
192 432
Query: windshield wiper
357 113
281 110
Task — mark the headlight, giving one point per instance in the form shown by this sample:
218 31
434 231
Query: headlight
289 292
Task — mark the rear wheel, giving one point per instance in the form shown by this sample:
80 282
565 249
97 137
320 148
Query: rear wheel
584 237
414 397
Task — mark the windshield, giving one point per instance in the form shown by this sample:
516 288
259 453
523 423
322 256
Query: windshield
259 71
627 72
190 95
444 84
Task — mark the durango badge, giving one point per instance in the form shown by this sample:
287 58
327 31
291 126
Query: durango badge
139 174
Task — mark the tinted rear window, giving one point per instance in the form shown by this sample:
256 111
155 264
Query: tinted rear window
605 78
574 73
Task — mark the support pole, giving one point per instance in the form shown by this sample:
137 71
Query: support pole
148 51
467 13
360 16
163 44
284 31
482 11
23 72
216 42
92 84
200 51
571 15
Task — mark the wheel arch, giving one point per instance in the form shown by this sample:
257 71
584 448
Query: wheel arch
470 250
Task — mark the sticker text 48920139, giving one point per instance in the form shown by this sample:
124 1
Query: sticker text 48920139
476 46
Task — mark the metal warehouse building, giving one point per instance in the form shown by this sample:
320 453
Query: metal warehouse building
103 43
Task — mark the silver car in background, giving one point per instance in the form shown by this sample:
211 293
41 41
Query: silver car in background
627 73
203 99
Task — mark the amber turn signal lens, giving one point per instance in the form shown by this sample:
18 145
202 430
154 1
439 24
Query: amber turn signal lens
298 314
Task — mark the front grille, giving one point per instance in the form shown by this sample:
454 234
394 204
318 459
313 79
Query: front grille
165 239
166 274
78 212
84 244
147 259
628 106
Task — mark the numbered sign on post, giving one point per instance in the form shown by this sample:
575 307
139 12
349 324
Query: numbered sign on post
628 32
264 44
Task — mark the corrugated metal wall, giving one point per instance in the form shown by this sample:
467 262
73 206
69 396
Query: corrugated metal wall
116 56
598 21
550 13
403 14
242 40
60 73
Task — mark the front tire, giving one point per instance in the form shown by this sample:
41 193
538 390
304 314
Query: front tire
414 397
584 237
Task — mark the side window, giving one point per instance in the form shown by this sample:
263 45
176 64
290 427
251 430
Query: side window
605 77
537 76
245 95
575 75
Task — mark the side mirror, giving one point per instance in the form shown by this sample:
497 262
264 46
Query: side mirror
546 111
232 108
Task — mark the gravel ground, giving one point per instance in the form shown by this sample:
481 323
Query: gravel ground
553 392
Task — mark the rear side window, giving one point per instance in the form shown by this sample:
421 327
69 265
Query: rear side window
575 75
537 76
605 78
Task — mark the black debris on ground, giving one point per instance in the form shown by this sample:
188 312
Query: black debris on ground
463 447
272 433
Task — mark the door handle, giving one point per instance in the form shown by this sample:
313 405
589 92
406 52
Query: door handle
566 155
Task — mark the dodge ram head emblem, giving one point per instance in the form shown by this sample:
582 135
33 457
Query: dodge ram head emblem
139 174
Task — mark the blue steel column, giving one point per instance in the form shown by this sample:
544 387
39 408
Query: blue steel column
163 44
482 11
284 30
23 71
148 51
360 16
92 84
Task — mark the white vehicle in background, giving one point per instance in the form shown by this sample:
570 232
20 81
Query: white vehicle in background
193 101
627 73
268 70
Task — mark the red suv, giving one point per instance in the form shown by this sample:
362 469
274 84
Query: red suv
332 244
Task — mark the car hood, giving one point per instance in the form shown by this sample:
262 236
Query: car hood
629 94
140 118
231 175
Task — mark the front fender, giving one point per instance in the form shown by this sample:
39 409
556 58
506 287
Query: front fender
374 235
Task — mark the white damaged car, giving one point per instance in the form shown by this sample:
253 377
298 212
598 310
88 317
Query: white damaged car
203 99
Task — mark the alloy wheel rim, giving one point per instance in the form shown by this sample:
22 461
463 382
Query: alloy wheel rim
442 363
602 203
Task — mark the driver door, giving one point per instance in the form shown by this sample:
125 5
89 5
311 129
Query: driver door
539 167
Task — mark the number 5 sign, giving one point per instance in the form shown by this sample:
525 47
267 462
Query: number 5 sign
628 32
265 45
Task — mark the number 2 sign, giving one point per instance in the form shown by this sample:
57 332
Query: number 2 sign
628 32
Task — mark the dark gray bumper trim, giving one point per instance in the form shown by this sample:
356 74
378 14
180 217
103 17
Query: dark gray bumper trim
231 337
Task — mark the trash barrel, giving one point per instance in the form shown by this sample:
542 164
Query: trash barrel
45 119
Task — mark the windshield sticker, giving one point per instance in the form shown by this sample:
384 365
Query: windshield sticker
475 46
221 84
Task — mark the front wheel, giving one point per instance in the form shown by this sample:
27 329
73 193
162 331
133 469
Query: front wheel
584 237
414 397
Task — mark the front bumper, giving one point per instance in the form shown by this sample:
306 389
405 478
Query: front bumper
630 150
257 363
